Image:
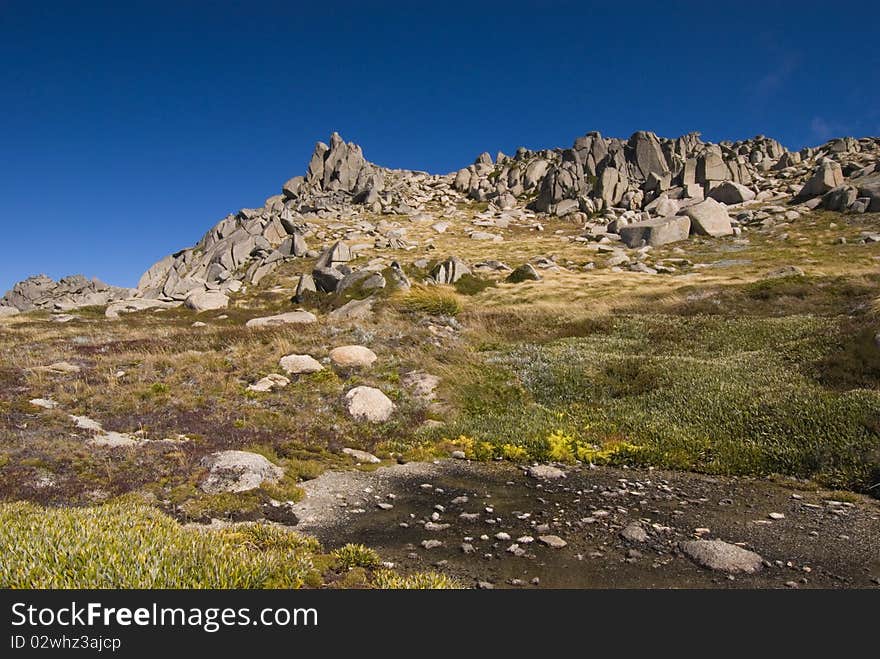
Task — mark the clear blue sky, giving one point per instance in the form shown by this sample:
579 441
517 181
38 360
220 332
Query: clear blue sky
127 129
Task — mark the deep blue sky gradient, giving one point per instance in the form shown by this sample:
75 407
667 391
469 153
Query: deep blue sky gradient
128 129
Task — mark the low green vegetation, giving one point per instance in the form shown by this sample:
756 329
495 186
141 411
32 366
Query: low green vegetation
353 555
128 544
720 395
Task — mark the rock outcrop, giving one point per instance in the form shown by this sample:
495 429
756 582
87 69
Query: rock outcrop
42 292
635 190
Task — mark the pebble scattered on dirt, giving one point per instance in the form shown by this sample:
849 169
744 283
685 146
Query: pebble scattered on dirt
496 525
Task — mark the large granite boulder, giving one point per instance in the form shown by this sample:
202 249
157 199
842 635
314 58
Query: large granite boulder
709 218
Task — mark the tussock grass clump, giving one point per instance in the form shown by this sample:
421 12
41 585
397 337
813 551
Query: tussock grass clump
126 544
420 581
354 555
432 300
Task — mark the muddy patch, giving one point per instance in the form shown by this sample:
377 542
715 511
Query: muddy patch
491 525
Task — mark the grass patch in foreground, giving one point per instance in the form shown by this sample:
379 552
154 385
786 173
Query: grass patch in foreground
718 395
126 544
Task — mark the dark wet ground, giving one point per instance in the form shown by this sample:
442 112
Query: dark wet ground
818 543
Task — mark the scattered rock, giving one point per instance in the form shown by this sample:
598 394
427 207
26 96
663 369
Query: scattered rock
633 532
722 556
552 541
525 272
238 471
300 364
200 301
268 383
422 385
545 472
290 318
369 404
352 357
361 456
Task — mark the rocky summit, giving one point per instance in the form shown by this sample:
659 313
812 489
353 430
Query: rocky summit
645 190
605 184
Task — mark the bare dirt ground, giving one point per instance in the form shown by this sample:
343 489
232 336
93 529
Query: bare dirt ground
820 542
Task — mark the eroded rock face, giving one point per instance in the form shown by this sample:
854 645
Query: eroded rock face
238 471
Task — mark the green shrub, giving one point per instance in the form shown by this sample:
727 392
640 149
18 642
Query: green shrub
389 580
351 555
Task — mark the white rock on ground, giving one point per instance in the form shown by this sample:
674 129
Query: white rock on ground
552 541
361 456
136 304
300 364
722 556
369 404
546 472
633 532
352 357
289 318
238 471
268 383
422 385
206 300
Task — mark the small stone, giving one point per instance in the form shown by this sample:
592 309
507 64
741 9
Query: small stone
545 472
385 506
361 456
776 516
552 541
722 556
431 544
459 455
501 535
634 532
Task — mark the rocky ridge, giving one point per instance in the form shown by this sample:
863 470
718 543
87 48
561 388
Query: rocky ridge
636 193
42 292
